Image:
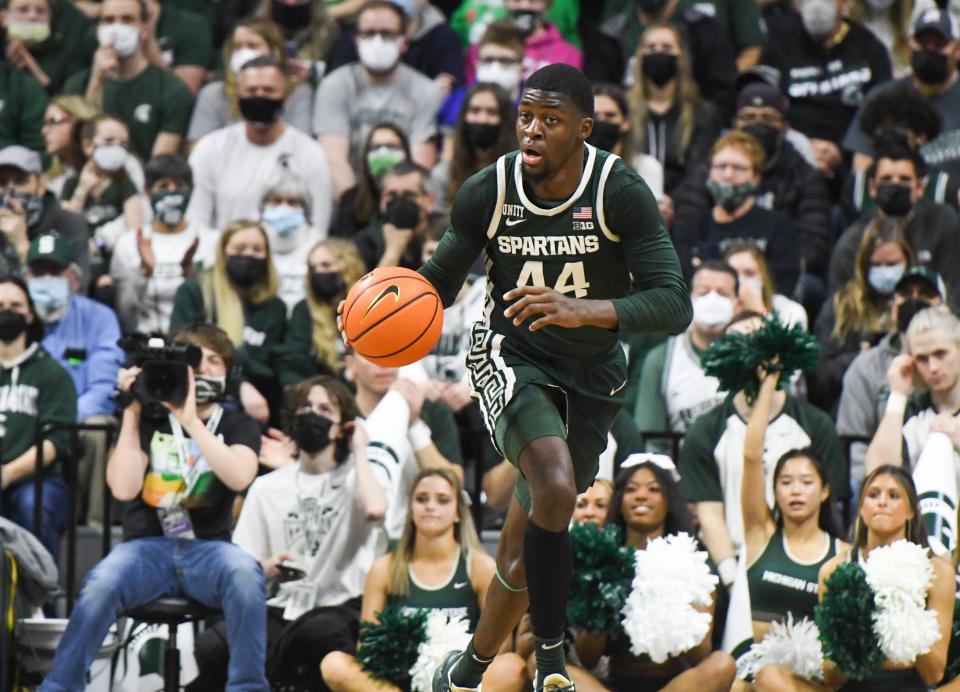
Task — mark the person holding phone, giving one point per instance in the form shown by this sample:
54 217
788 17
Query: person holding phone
314 525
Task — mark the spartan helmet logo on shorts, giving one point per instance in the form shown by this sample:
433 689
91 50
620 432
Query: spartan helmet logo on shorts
392 289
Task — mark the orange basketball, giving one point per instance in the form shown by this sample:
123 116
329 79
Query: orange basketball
392 316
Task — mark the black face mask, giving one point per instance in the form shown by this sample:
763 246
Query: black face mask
907 310
403 213
295 16
605 135
651 7
893 199
930 67
12 325
245 271
311 432
768 136
326 285
659 68
526 21
481 135
260 110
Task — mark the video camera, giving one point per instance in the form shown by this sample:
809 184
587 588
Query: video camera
164 376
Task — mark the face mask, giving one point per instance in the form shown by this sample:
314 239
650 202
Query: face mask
884 280
402 213
259 110
907 310
283 219
50 296
12 325
170 207
651 7
28 33
893 199
502 75
124 38
482 135
32 205
659 68
712 310
382 159
109 157
930 67
730 195
526 21
245 271
880 5
208 389
291 16
241 57
378 54
768 136
819 18
605 135
326 285
754 282
311 432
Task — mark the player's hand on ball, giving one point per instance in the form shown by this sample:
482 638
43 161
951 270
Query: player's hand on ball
556 308
343 334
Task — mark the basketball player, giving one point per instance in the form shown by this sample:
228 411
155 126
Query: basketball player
576 252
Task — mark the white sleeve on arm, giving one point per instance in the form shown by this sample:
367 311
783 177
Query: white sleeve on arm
251 532
202 206
387 427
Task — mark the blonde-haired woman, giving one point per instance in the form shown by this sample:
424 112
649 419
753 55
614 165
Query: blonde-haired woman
670 121
62 122
859 314
438 563
217 101
312 345
239 295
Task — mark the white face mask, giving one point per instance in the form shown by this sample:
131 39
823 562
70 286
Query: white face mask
109 157
241 57
500 74
378 54
28 33
124 38
712 310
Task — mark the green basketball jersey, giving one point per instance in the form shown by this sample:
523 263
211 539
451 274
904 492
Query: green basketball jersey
607 241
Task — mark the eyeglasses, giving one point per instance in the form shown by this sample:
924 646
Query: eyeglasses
506 62
735 167
52 122
385 35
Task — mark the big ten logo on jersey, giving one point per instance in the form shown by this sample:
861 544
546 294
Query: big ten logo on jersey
583 219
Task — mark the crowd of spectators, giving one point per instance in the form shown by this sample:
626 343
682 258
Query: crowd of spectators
222 172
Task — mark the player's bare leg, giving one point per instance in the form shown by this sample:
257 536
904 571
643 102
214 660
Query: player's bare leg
534 551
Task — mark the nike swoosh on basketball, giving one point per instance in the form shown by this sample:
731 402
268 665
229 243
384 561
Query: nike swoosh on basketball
459 584
514 222
392 289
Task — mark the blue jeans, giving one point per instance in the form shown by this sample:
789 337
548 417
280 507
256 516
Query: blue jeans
18 505
216 573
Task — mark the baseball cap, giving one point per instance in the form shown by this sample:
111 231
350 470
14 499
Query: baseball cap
763 74
52 247
761 94
20 157
920 272
940 21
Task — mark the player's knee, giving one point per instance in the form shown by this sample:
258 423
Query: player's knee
553 505
335 668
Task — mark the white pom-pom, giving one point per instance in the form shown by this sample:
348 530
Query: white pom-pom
900 575
671 576
444 633
794 645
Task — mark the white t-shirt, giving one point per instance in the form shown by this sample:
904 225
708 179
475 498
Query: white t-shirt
447 361
317 518
290 259
230 175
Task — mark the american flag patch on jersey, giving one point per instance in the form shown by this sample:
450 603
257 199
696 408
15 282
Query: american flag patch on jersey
583 213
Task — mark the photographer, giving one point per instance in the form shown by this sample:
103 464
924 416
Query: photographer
179 473
314 525
405 206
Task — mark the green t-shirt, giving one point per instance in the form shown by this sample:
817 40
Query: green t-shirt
296 360
637 345
70 48
105 207
34 392
264 326
185 37
606 242
154 101
22 103
470 20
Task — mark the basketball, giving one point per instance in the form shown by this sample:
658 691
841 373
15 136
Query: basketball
392 316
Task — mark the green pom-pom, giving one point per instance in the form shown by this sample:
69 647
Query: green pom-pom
734 359
953 654
602 578
388 649
845 619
